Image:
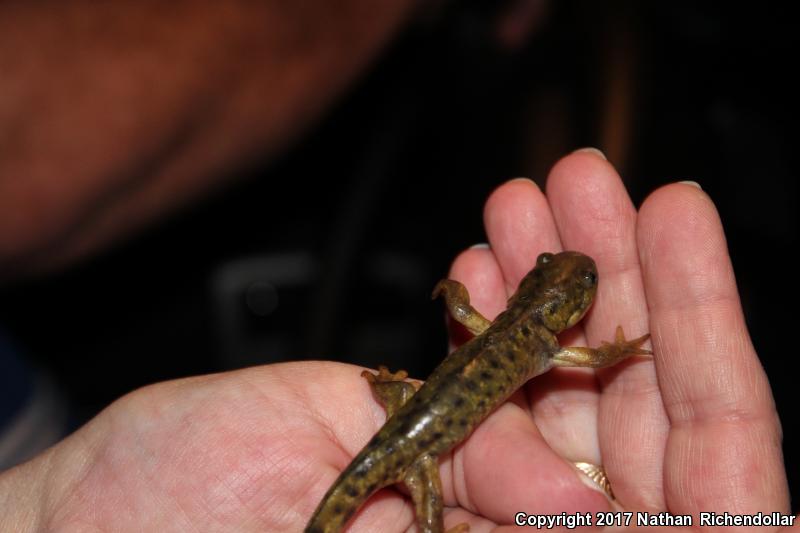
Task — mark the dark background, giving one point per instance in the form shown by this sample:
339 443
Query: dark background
332 251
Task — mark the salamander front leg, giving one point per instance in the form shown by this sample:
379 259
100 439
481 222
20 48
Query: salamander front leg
608 354
456 298
391 389
425 486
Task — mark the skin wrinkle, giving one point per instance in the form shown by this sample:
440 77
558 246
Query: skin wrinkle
288 471
92 452
735 477
722 386
679 474
153 476
654 438
374 412
557 406
212 508
153 481
266 461
110 468
633 386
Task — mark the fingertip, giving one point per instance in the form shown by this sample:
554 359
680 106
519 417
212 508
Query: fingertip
678 193
507 193
519 225
675 196
679 223
580 164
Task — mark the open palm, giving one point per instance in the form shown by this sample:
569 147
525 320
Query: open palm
692 429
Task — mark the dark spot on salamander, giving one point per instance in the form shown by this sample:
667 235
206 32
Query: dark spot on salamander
471 385
361 470
486 375
438 435
350 512
371 488
482 403
459 402
525 330
511 355
338 508
462 422
351 491
494 364
448 422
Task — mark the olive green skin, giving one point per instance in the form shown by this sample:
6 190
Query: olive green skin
468 385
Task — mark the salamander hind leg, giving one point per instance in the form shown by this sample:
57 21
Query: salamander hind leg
425 486
608 354
391 389
456 298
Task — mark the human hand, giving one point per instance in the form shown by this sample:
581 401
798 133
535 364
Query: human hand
693 429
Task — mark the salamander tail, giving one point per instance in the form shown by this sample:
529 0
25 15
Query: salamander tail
363 477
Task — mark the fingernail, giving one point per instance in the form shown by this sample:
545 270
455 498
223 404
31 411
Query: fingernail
524 179
480 246
692 183
591 150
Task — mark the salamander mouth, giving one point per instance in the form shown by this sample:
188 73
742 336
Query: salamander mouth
579 313
576 317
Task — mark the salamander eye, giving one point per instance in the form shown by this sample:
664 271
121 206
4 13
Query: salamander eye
544 258
589 279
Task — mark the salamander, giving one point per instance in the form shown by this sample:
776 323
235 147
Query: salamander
426 422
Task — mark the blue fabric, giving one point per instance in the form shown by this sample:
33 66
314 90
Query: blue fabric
16 382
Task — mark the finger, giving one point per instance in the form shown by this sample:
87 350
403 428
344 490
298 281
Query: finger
595 215
480 273
520 226
724 447
506 467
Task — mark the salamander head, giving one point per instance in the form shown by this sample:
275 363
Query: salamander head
560 289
